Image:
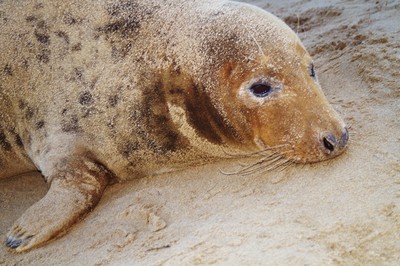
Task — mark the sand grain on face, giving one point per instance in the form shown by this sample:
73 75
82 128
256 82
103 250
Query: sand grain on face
344 211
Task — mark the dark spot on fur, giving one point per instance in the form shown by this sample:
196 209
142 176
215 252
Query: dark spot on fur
29 113
70 20
86 98
129 148
64 111
199 117
93 83
22 104
176 91
42 37
31 19
170 140
161 119
76 47
206 119
3 17
4 144
41 34
120 50
72 125
25 64
40 124
159 132
78 73
88 111
42 25
7 70
124 18
177 70
111 124
29 140
43 56
124 27
63 35
39 6
18 140
113 100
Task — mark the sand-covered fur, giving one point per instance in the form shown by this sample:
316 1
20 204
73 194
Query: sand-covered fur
98 91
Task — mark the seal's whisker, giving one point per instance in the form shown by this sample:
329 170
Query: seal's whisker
270 160
281 161
244 155
285 165
260 165
276 164
171 100
256 42
263 159
352 132
279 152
298 24
265 164
264 152
351 128
249 167
243 169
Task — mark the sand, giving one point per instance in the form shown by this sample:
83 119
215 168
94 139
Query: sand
340 212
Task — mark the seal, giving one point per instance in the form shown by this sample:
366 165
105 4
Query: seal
93 92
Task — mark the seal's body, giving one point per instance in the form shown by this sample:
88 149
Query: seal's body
94 91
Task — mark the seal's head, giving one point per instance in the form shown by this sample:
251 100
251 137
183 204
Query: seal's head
268 91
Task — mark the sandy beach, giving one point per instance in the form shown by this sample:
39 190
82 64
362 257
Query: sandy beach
340 212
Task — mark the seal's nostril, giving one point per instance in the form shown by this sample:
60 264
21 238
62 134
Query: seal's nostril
344 138
329 143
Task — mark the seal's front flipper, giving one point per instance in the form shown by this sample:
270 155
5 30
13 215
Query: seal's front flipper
72 194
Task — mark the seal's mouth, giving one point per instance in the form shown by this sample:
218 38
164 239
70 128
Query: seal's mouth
325 147
284 155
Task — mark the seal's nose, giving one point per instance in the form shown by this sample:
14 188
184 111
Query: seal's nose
344 138
329 143
332 144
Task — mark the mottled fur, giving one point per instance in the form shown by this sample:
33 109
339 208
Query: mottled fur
97 90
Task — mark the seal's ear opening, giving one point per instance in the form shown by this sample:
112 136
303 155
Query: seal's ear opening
313 74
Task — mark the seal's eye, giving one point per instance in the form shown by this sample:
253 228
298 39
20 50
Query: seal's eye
261 90
312 71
